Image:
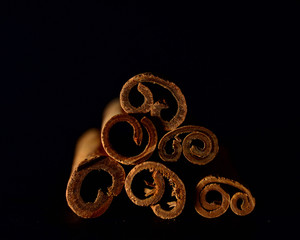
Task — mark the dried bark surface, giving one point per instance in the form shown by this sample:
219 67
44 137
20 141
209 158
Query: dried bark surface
158 171
195 155
137 138
216 209
89 157
149 105
95 150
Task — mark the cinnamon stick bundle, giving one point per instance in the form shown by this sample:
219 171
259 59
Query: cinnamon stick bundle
98 150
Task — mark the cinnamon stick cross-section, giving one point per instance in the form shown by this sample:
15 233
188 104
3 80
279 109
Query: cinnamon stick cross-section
216 209
159 172
137 138
149 105
192 153
90 157
152 196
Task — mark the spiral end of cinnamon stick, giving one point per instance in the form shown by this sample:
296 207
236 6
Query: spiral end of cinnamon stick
103 200
159 173
215 209
148 105
192 153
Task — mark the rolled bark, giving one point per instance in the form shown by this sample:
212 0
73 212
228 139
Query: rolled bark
192 153
149 106
90 156
137 138
159 172
97 151
215 209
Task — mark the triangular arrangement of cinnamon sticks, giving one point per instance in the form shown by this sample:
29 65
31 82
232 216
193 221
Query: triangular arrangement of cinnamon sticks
97 151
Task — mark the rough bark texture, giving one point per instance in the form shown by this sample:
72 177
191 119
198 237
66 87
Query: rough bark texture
97 151
102 201
149 105
137 138
158 172
215 209
200 156
90 156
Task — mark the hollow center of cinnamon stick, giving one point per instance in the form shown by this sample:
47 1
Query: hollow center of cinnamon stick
169 147
120 137
142 184
136 99
213 196
161 95
239 203
198 143
93 181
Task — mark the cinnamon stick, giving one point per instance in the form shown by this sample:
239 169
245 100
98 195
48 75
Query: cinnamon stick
192 153
90 156
216 209
149 105
137 138
158 171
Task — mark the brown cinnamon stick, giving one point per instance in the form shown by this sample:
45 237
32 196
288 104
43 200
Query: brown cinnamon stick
90 156
216 209
158 171
137 138
192 153
149 105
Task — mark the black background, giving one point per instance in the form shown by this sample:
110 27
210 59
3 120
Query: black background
237 65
